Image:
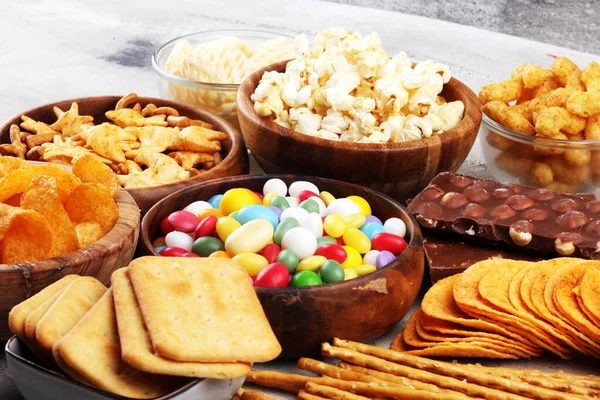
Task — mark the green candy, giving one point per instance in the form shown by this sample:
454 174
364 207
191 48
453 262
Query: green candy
325 240
306 278
289 259
233 215
280 202
283 227
310 205
332 271
206 245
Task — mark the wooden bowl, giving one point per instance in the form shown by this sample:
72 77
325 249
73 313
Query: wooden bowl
304 317
115 250
399 170
235 155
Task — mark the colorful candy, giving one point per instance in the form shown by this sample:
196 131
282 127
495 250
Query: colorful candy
179 239
255 211
253 262
198 206
206 227
270 252
332 271
390 242
301 241
332 252
306 278
275 275
183 221
206 245
250 237
236 199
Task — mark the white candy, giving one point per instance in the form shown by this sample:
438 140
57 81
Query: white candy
298 186
395 226
292 201
295 212
197 207
179 239
371 257
313 223
275 185
343 207
321 203
300 241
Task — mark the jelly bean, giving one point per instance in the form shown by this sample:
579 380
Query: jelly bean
289 259
254 212
371 229
295 212
215 201
284 227
172 252
312 263
306 278
226 226
280 202
260 196
233 215
364 269
326 197
358 240
236 199
292 201
349 273
354 220
276 211
313 223
207 213
332 271
372 218
305 194
250 237
363 205
353 257
340 241
384 258
275 185
395 226
332 252
206 227
160 241
390 242
310 205
275 275
299 186
206 245
323 240
269 198
190 255
301 241
270 252
160 248
219 254
165 226
321 203
334 225
371 257
342 207
183 221
198 206
179 239
253 262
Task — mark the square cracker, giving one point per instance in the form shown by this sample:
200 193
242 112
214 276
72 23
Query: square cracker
136 347
203 310
31 322
93 352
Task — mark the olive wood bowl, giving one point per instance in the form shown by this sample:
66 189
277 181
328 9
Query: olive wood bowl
304 317
115 250
235 155
399 170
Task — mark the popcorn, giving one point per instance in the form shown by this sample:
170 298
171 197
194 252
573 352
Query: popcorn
348 88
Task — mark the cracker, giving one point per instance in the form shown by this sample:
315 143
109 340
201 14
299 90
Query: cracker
203 310
136 347
34 317
589 293
67 310
92 350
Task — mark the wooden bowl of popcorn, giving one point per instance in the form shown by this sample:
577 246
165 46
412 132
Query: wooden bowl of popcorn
398 157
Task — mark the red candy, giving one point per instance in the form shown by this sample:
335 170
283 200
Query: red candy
260 196
270 252
206 227
183 221
173 252
388 241
191 255
275 275
306 194
165 226
332 252
340 241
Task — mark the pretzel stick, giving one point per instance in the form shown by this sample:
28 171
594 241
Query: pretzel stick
288 382
590 381
254 395
332 393
302 395
449 370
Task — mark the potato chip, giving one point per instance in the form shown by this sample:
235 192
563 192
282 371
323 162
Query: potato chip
92 202
17 181
589 291
9 164
88 233
24 235
90 170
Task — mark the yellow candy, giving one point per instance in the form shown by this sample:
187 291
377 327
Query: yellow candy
226 226
349 273
219 254
357 240
354 259
250 238
236 199
326 197
364 269
312 263
334 225
355 220
253 262
268 198
362 204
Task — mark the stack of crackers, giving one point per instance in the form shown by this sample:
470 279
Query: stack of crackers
509 309
162 318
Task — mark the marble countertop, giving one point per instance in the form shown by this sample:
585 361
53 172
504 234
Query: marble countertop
60 49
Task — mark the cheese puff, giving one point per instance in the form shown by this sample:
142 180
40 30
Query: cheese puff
549 84
591 77
526 95
561 187
553 121
506 91
563 172
529 108
559 97
577 157
508 117
499 142
516 166
595 164
541 174
532 75
567 73
584 104
592 129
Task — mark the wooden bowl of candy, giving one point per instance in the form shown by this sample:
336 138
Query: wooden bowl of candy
399 170
200 145
312 286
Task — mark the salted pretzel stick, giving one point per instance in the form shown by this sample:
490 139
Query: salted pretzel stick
288 382
254 395
589 380
331 393
302 395
449 370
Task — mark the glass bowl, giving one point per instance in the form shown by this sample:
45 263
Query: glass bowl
217 98
565 166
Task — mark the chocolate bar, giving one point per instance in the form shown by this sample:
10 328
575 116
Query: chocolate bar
528 220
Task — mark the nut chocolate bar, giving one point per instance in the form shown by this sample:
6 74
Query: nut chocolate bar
531 220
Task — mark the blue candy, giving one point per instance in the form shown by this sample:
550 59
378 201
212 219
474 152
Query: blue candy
215 201
371 229
255 211
160 248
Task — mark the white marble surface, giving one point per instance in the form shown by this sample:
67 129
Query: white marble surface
62 49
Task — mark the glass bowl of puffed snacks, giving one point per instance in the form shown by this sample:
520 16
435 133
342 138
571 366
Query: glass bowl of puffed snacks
541 127
205 69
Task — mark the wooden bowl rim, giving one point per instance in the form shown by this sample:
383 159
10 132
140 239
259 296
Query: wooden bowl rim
415 242
237 140
246 107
